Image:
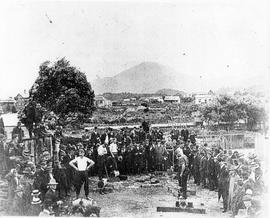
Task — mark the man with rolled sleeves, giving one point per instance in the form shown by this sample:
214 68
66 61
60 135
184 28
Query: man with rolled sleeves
83 164
183 172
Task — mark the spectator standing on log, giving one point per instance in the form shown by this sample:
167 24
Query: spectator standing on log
83 164
18 131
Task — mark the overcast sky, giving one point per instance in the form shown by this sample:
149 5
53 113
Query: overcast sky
227 42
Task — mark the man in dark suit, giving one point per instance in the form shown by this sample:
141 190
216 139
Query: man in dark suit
203 169
211 172
196 168
68 169
94 137
18 131
185 134
145 126
223 184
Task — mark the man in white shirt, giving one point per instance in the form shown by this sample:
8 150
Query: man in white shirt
114 153
102 152
113 147
83 164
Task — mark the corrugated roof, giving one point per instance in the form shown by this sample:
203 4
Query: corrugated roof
7 101
172 98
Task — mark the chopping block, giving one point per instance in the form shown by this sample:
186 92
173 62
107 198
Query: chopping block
180 209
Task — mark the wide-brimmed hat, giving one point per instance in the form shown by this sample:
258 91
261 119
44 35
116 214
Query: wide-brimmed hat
36 200
52 182
35 192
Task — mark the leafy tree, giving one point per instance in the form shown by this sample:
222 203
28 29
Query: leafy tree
229 110
255 115
59 88
63 89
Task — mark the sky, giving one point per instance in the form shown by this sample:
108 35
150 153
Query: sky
225 42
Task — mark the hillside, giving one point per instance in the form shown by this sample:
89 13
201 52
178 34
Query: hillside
147 77
170 92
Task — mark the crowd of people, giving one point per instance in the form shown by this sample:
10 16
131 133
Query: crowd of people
111 152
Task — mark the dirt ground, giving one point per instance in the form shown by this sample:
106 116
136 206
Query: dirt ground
140 199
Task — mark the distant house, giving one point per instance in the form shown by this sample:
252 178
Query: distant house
187 95
133 99
21 100
126 100
7 105
172 99
116 103
156 99
204 98
100 101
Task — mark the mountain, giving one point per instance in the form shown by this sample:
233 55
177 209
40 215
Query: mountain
170 92
147 77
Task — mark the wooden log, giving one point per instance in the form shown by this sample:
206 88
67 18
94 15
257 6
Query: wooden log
179 209
158 185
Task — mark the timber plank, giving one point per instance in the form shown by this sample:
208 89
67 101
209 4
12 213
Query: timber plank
179 209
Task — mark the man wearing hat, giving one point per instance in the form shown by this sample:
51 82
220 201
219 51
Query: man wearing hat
69 170
82 165
51 198
223 184
35 207
41 179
